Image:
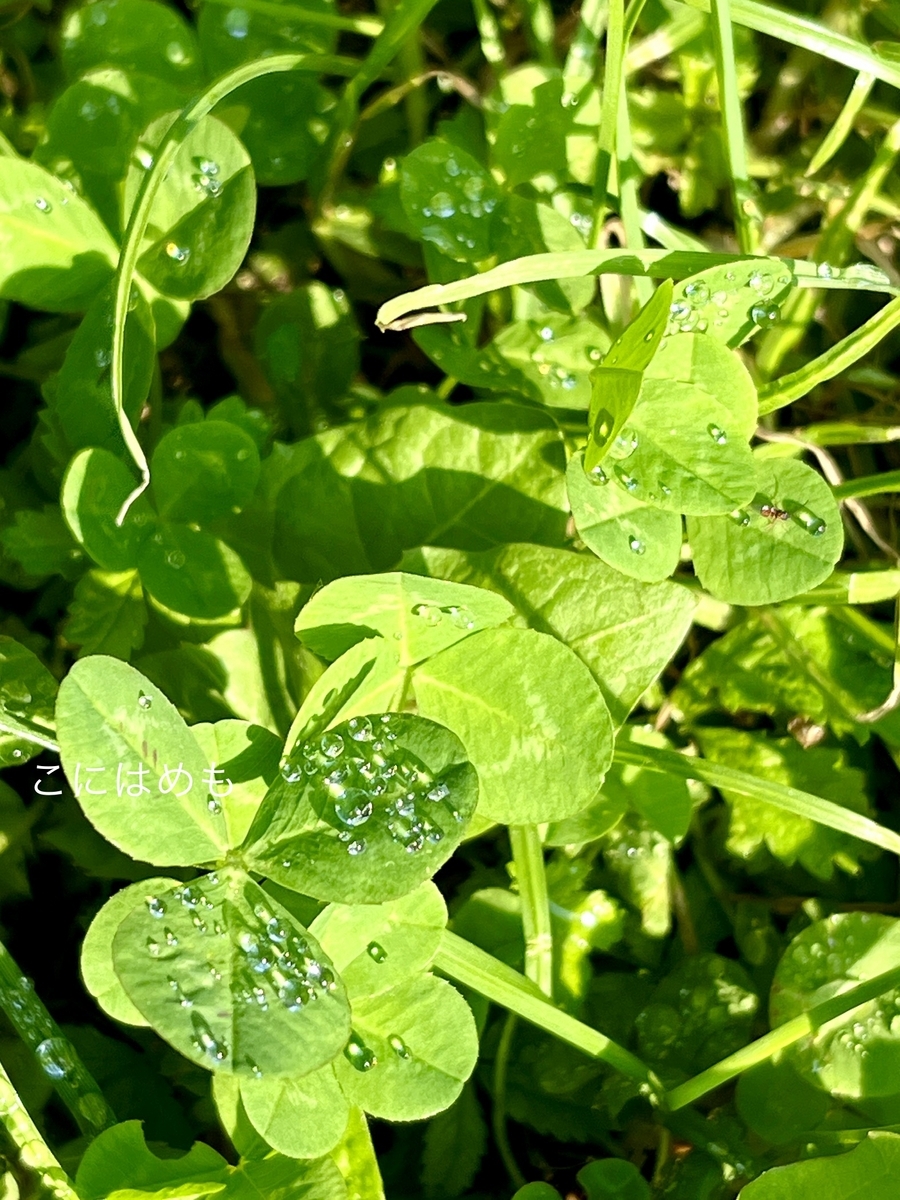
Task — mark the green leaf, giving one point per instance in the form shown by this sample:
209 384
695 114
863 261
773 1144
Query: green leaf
204 471
422 616
455 1143
748 558
792 839
244 760
869 1170
120 734
531 138
548 358
664 802
589 824
731 302
527 225
97 969
423 1038
94 489
355 1157
231 980
42 543
119 1158
616 383
191 572
449 198
635 538
639 860
778 1104
303 1118
351 500
684 447
531 717
855 1056
136 35
55 251
202 217
377 946
367 812
722 1003
27 698
613 1179
580 601
107 614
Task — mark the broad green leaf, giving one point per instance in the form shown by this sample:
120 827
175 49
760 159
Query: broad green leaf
128 754
303 1118
635 538
135 35
56 253
531 717
753 824
351 500
869 1170
80 397
191 572
548 358
94 488
640 860
684 446
107 614
356 1160
365 813
589 824
537 1191
308 343
731 303
281 119
722 1003
777 1103
613 1179
244 762
119 1158
93 128
204 471
421 615
531 138
377 946
41 542
525 226
228 977
617 381
449 199
580 601
855 1056
202 218
455 1143
97 969
748 558
27 698
424 1043
662 800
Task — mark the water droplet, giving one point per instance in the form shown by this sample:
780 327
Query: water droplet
179 254
811 523
360 729
761 282
205 1040
354 808
153 948
597 475
43 205
442 205
237 22
177 54
826 271
626 443
429 613
145 702
740 517
55 1058
440 791
765 315
214 806
359 1055
171 939
375 952
332 745
628 481
678 310
357 847
636 546
399 1047
155 906
719 436
697 294
460 616
546 334
648 337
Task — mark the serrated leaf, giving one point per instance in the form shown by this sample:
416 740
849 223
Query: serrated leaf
749 558
531 717
107 614
420 615
423 1037
117 731
367 812
231 980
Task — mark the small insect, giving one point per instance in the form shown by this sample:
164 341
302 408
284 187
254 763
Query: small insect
772 513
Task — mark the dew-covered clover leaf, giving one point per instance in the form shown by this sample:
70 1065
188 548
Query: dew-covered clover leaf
135 767
94 488
785 541
367 811
228 977
422 616
243 760
203 471
27 697
731 302
302 1117
449 198
411 1051
855 1056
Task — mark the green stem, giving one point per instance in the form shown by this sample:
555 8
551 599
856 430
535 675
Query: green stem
746 211
498 1112
412 66
531 877
629 199
489 34
34 1154
539 25
868 485
790 799
609 113
30 735
809 1023
495 980
839 131
54 1053
366 26
581 60
838 358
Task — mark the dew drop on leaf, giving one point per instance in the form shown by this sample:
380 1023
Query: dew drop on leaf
359 1055
765 315
376 952
155 906
357 847
697 294
43 205
636 546
718 435
55 1058
826 271
179 254
399 1047
145 702
332 745
237 22
205 1040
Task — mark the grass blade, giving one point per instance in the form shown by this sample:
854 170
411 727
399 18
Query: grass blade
33 1152
743 194
839 131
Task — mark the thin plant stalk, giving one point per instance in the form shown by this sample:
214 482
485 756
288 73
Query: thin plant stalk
489 34
540 29
609 113
743 193
498 1110
580 67
840 130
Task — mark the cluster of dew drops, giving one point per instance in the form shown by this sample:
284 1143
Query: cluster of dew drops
276 965
356 769
206 181
474 202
